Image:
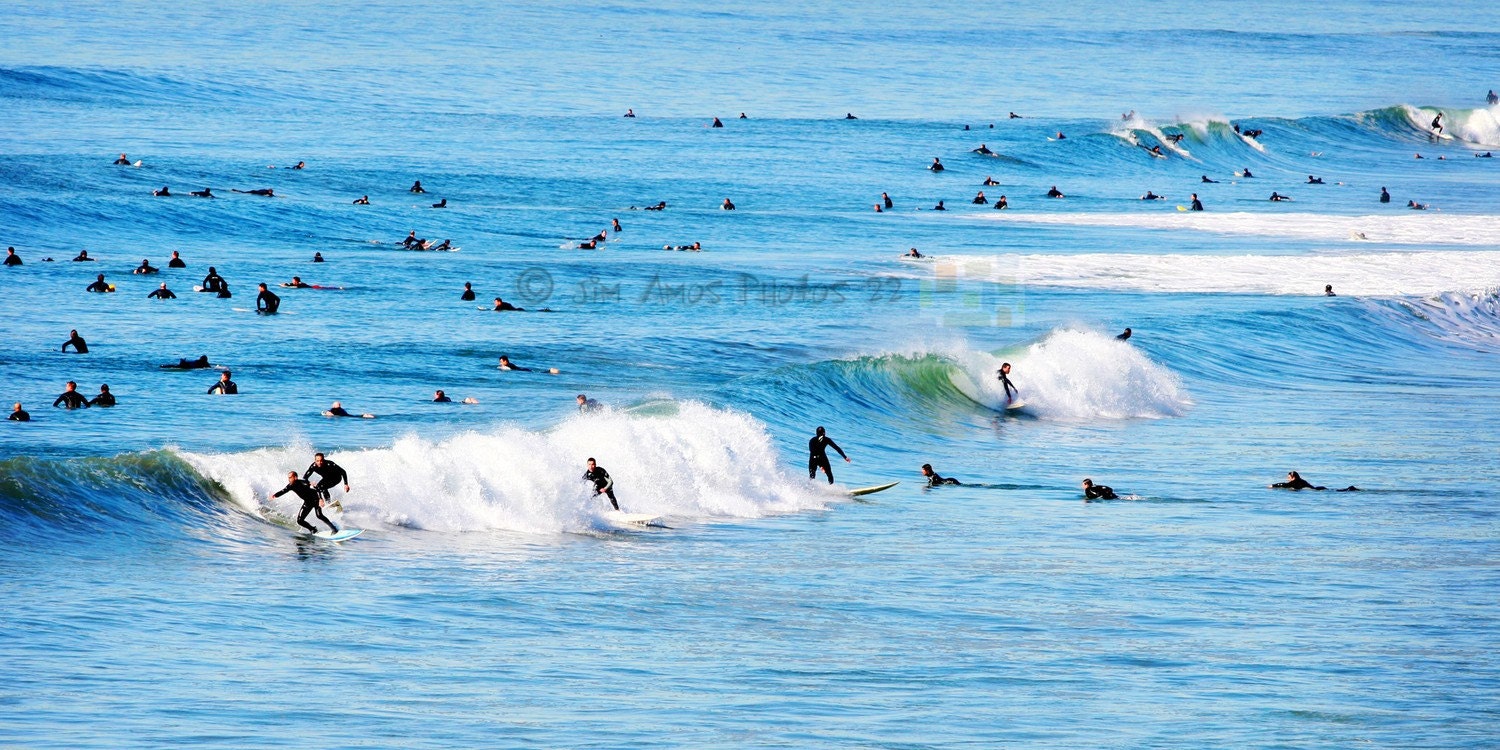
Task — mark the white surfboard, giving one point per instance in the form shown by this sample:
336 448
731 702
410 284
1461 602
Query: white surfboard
1015 405
343 535
872 490
635 519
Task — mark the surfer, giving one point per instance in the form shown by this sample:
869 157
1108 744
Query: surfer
468 295
1278 197
176 261
506 364
1055 193
615 225
225 386
161 292
213 281
123 160
165 192
145 267
1002 203
77 342
660 206
1413 205
937 165
1385 197
441 204
311 503
1492 99
940 207
105 399
441 398
317 257
503 306
296 283
11 259
330 475
183 363
1294 481
586 404
204 193
1437 123
1093 491
224 290
300 165
1197 204
266 303
990 181
99 286
817 454
1314 180
603 485
727 205
71 398
263 192
934 480
1003 375
716 123
416 187
1246 172
1124 336
1150 196
82 257
1061 137
912 253
850 116
980 200
886 199
1328 291
17 414
629 113
1014 116
983 149
363 200
1208 181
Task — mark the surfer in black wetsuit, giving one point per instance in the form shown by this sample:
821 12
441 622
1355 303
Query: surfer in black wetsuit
311 502
165 192
1385 197
317 257
1294 481
266 303
204 193
1002 203
603 485
1197 204
885 199
1278 197
11 259
225 386
17 414
71 398
506 364
985 150
1150 196
337 410
99 286
1061 137
1311 180
1124 336
176 261
912 253
183 363
296 283
162 292
933 480
980 200
1208 181
503 306
1328 291
123 160
1093 491
263 192
416 187
1493 98
224 290
717 124
940 207
1246 173
937 166
817 454
145 267
105 399
74 340
441 204
330 475
439 397
727 205
213 281
1437 123
1003 375
1055 193
468 295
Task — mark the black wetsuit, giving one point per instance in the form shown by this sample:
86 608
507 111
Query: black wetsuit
213 282
176 263
77 343
508 307
1384 196
145 269
225 387
330 475
266 303
511 366
817 456
1010 389
20 416
935 480
467 296
1100 492
72 400
12 260
162 294
1297 484
103 399
310 498
338 411
442 400
99 287
602 483
183 363
1054 193
1197 205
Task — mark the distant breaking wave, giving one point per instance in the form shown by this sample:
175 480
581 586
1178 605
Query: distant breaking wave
1406 228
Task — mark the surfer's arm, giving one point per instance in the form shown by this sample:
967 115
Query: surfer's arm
840 451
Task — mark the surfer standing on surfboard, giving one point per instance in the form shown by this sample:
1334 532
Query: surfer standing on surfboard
817 455
311 503
1004 376
603 485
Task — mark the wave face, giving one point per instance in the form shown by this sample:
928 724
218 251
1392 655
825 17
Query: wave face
1470 320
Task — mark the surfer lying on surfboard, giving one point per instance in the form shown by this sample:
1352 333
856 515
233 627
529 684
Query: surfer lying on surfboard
934 479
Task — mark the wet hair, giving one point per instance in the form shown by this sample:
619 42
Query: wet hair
591 460
820 430
1089 482
927 467
585 398
319 455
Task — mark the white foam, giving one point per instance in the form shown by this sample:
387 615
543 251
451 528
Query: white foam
698 462
1366 274
1472 319
1400 227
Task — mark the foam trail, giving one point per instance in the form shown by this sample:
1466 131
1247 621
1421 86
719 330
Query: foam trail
1407 228
697 462
1075 374
1366 274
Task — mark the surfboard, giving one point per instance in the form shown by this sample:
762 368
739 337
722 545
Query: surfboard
872 490
343 535
1015 405
362 416
636 519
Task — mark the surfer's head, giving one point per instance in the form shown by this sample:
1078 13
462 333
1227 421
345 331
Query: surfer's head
1087 483
926 470
819 431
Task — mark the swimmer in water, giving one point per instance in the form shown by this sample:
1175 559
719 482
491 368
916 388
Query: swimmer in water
162 292
629 113
176 261
296 283
74 340
934 480
1328 291
363 200
912 253
503 306
1385 197
660 206
183 363
99 286
411 239
588 245
441 204
1208 181
1246 172
726 205
1055 193
1125 336
603 485
980 200
1314 180
82 257
165 192
338 410
17 414
105 399
817 454
70 398
509 366
937 165
416 187
317 257
468 295
850 116
123 160
615 225
886 199
441 398
264 192
1093 491
990 181
1150 196
1003 375
716 123
1415 206
1197 204
940 207
1014 116
224 291
266 303
1278 197
1001 203
204 193
11 259
144 268
743 117
984 150
224 386
1061 137
300 165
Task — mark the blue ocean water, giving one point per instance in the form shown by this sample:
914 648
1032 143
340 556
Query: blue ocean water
156 597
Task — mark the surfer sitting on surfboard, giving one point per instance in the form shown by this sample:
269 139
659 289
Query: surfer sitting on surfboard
311 503
1003 375
603 485
934 480
817 455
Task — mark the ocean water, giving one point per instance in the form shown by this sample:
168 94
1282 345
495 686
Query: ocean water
154 596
